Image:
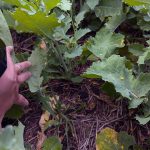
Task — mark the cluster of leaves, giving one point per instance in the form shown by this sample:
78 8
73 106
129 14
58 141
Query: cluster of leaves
118 63
60 25
52 25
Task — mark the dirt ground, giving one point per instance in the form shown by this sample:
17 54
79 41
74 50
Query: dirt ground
90 110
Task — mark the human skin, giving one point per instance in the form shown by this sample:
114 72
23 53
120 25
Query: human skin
10 82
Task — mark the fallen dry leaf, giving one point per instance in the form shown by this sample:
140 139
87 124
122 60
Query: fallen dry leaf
43 121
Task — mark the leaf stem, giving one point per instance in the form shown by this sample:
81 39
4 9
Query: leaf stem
72 16
59 55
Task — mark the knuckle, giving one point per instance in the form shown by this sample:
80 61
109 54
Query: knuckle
12 79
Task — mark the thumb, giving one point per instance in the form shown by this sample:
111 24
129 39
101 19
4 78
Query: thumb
22 101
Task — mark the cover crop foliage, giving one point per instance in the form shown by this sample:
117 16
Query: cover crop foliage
117 60
95 31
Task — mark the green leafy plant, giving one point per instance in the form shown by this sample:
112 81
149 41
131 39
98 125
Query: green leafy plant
112 67
68 34
60 28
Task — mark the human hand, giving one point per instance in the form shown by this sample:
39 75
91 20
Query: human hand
10 82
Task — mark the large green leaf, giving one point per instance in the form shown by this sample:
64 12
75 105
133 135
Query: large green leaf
5 35
38 59
33 17
108 8
11 138
114 71
52 143
105 43
37 23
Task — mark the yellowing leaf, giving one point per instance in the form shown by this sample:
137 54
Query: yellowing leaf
109 139
106 140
